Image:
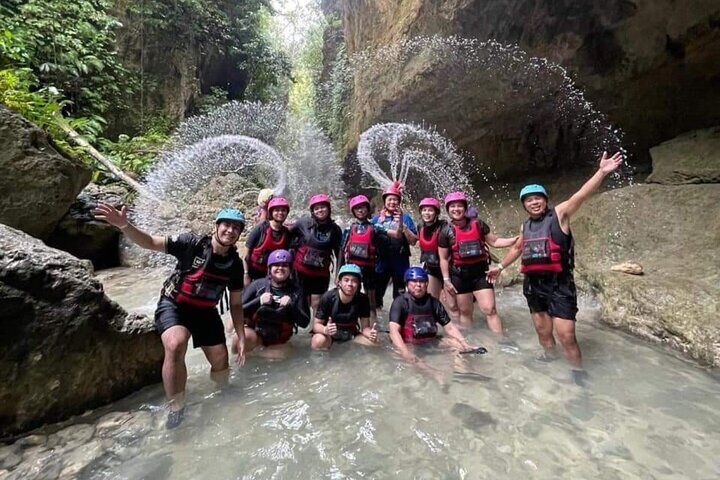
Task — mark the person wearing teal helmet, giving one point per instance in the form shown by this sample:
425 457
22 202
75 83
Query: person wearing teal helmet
546 247
343 313
207 266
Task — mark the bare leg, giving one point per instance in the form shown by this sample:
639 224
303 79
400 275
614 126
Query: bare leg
314 302
434 286
174 373
465 305
566 334
486 301
373 306
450 302
251 340
321 341
217 355
544 328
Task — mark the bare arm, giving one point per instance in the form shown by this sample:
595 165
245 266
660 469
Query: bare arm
444 254
238 320
608 164
400 343
512 255
500 242
118 218
452 331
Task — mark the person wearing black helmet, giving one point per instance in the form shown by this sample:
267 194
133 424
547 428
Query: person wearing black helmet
344 313
415 316
546 247
274 307
207 265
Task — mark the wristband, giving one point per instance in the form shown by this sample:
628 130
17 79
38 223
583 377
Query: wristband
447 279
500 267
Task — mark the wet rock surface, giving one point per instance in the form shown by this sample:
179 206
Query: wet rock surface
64 346
692 157
37 182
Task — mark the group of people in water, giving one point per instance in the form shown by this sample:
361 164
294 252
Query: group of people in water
282 282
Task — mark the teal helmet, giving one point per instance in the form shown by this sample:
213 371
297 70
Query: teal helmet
230 215
350 269
533 189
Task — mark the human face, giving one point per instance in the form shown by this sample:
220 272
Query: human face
279 214
321 211
229 232
457 210
349 284
280 272
392 202
428 214
417 288
361 211
535 205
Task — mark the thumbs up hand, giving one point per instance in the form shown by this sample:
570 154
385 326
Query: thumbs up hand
373 337
330 328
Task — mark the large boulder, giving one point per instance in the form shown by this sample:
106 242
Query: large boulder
80 234
64 346
672 232
692 157
38 183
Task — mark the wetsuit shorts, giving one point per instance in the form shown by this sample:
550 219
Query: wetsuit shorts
313 285
470 278
552 293
274 333
204 324
368 278
435 272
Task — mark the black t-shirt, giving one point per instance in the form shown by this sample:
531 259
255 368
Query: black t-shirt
257 234
327 233
429 230
446 239
186 247
331 306
298 310
399 309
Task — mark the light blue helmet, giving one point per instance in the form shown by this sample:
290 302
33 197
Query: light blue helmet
230 215
350 269
416 273
533 189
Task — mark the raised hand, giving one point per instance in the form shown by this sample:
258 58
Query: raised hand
609 164
373 337
110 214
284 301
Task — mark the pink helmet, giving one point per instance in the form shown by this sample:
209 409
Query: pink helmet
455 197
430 202
395 188
357 201
278 202
319 198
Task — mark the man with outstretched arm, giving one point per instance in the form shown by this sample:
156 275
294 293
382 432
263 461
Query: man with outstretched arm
546 247
207 265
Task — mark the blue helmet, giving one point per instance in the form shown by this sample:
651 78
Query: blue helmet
416 273
350 269
230 215
532 189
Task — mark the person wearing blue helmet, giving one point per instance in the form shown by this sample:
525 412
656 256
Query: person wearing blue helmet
207 265
344 313
546 247
415 315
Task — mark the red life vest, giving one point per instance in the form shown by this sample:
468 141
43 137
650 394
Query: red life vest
259 254
469 247
429 248
312 258
359 248
197 287
540 253
420 325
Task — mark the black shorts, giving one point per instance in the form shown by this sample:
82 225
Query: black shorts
552 293
368 277
470 278
435 272
255 274
313 285
204 324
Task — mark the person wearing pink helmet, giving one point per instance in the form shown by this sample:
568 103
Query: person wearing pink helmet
464 261
274 307
428 235
266 237
360 246
315 239
546 246
396 231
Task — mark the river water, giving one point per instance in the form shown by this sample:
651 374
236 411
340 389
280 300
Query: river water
359 412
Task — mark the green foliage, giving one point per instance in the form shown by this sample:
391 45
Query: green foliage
211 101
333 105
138 154
306 73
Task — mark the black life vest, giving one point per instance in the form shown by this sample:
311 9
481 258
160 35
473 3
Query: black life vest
429 247
469 247
420 324
312 258
259 254
347 323
359 248
194 285
546 248
275 325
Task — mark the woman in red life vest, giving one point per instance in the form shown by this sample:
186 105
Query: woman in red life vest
546 247
207 265
464 261
360 245
428 235
315 239
266 237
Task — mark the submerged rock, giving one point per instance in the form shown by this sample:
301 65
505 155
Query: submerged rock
64 346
